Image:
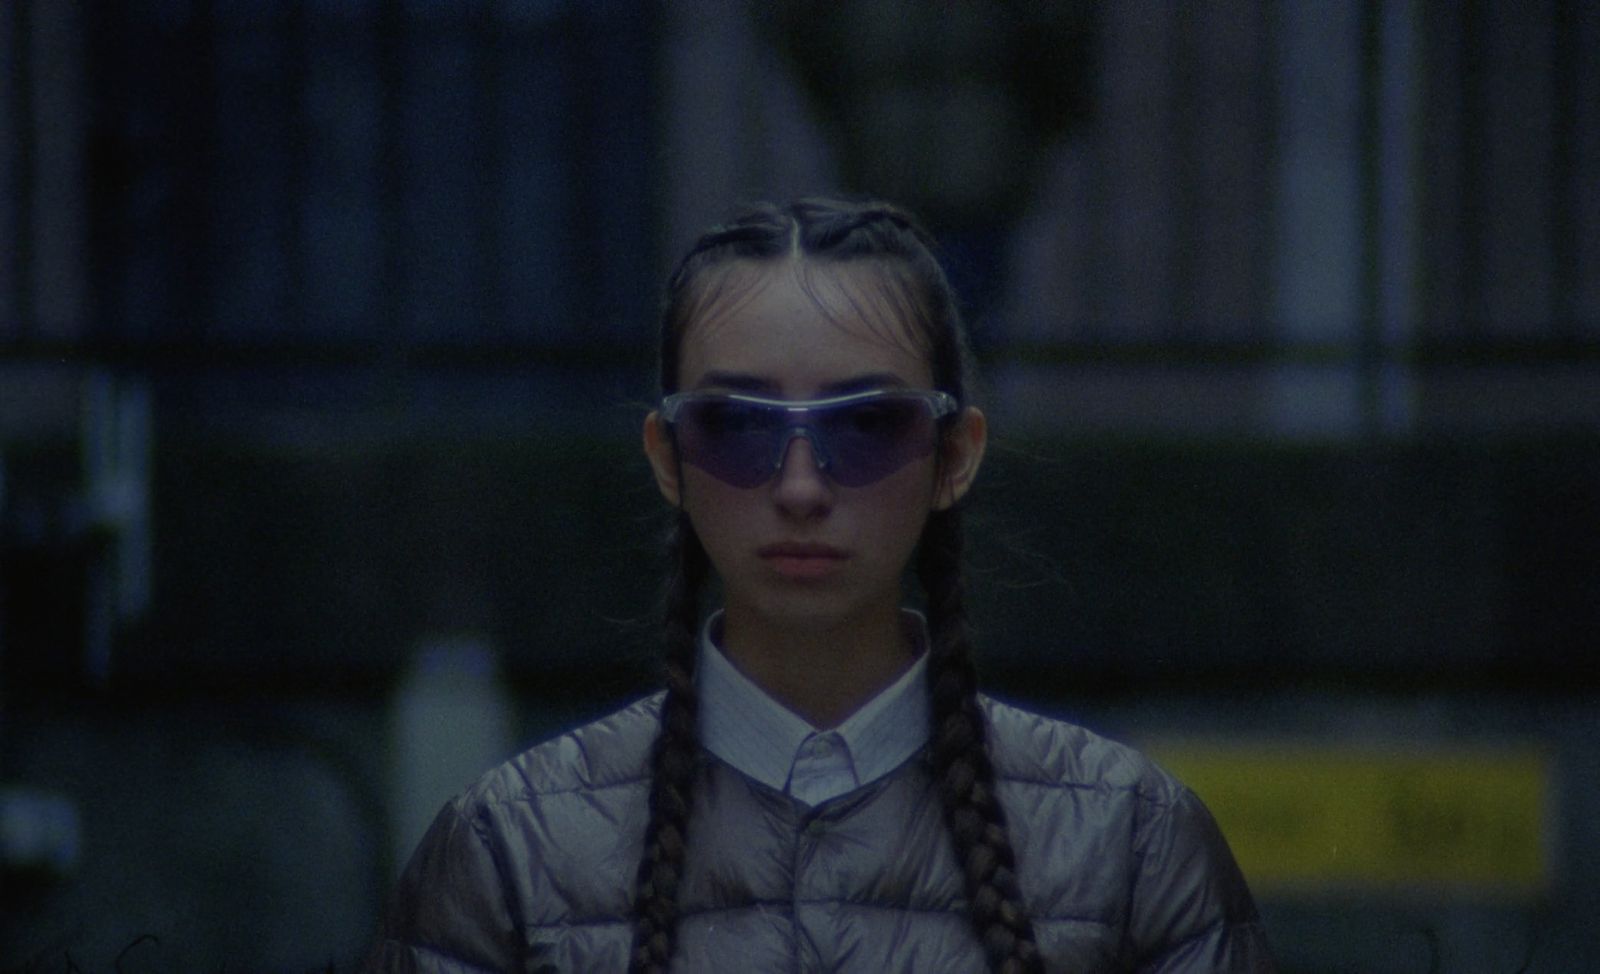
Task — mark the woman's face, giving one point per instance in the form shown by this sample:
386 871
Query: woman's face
801 551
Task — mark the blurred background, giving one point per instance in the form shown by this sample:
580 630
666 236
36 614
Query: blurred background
326 330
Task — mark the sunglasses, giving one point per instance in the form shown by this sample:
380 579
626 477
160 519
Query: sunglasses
857 439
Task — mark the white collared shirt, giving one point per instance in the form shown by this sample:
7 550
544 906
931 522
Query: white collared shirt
741 724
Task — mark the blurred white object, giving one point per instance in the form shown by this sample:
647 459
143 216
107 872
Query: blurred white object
451 721
39 832
116 444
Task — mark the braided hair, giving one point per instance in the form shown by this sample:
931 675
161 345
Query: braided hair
836 231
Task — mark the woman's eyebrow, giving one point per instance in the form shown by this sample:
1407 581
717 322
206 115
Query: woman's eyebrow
862 383
742 381
747 382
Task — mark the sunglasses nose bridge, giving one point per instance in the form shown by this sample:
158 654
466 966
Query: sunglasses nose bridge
787 435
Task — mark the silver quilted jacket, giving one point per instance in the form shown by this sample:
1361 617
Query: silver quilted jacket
532 869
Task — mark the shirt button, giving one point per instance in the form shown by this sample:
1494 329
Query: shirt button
815 827
822 747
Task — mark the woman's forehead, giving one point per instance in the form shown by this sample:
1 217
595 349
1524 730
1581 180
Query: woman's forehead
800 321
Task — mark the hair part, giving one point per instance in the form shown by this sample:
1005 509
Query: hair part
915 293
914 288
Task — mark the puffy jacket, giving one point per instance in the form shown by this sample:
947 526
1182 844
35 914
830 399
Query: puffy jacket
1121 867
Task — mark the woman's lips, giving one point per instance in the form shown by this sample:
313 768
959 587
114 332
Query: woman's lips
802 560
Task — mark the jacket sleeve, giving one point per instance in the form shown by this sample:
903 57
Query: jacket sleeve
1191 910
450 911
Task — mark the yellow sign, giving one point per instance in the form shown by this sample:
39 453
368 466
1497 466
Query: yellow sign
1303 817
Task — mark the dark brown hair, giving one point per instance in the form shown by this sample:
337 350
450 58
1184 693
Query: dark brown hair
916 287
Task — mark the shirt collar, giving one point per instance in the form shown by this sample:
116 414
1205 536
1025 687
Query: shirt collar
744 726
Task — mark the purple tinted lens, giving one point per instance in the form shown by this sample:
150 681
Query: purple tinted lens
731 440
870 440
857 443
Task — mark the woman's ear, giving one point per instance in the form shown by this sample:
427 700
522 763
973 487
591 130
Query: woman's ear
962 453
663 458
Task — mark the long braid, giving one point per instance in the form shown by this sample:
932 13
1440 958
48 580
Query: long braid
674 761
961 765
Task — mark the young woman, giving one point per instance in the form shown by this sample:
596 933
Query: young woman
820 787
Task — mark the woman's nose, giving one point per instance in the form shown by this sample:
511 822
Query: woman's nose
801 484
